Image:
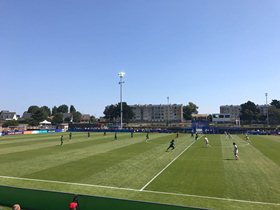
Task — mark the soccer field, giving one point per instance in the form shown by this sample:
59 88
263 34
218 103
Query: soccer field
133 168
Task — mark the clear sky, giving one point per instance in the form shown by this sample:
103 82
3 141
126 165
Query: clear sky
209 52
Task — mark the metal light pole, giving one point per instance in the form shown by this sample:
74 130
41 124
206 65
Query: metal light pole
267 121
121 75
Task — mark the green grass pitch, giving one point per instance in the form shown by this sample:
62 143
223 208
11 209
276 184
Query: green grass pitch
136 169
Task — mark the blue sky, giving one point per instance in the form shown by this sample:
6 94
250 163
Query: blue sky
209 52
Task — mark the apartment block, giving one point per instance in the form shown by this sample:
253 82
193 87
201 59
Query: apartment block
158 113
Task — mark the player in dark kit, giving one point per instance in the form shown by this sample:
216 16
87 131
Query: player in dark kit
172 145
196 136
116 137
70 136
88 134
177 135
147 136
61 140
131 134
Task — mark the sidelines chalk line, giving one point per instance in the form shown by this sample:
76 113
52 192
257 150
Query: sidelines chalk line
136 190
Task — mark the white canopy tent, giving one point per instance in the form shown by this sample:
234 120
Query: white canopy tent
45 122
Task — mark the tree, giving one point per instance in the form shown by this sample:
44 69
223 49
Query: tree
57 118
39 116
77 117
62 109
113 112
249 112
92 119
274 115
188 110
72 109
67 119
32 109
109 112
275 103
46 110
128 113
54 110
32 122
10 123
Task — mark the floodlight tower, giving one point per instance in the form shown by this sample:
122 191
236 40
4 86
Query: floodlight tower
267 121
121 75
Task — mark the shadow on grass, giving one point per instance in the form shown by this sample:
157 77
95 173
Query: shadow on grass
229 159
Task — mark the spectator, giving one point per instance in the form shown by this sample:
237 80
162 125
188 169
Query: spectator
73 205
16 207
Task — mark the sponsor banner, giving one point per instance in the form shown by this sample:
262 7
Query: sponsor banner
36 132
14 132
43 131
27 132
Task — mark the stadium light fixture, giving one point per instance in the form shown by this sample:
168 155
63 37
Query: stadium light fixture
121 76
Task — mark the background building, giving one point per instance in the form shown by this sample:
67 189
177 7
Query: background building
6 115
158 113
232 110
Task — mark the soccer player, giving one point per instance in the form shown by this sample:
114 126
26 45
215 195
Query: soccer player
235 151
61 140
206 141
247 138
192 134
172 145
131 134
70 136
177 135
147 136
196 136
88 134
116 137
104 134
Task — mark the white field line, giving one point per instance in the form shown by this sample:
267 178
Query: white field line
209 197
136 190
66 183
166 167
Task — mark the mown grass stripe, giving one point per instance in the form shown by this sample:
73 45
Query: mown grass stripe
41 159
96 163
199 171
166 167
253 176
